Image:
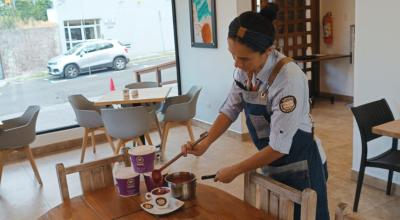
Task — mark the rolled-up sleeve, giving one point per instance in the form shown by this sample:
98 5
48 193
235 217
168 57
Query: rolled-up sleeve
233 104
288 107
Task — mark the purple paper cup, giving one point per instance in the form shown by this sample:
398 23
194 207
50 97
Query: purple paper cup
142 158
148 180
128 181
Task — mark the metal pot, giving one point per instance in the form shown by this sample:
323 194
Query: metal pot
182 184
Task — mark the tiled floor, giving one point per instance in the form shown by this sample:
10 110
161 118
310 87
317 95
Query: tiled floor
22 198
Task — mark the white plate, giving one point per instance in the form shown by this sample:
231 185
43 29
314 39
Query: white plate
174 204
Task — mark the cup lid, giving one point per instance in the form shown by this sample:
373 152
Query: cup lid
124 173
142 150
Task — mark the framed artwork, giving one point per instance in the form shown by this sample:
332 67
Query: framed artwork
203 27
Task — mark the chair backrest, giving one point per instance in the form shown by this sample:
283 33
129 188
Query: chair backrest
278 199
183 111
87 114
80 102
29 119
20 131
126 123
370 115
93 175
141 85
193 94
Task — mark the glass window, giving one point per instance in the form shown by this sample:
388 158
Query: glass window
105 46
66 34
81 30
98 31
91 48
89 33
74 23
89 22
76 34
44 82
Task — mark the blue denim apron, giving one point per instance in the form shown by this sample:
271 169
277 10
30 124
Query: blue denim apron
303 148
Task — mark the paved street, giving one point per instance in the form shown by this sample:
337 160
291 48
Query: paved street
51 92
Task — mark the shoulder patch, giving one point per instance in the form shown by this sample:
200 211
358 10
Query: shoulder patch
287 104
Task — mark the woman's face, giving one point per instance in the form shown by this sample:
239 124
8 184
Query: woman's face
245 58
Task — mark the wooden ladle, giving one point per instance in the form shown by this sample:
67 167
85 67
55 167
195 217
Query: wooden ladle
156 174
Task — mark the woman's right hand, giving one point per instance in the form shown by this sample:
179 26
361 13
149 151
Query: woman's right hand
197 150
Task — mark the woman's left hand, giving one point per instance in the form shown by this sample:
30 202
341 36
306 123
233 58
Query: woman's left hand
227 174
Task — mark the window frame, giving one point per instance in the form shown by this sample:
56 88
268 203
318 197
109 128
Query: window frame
69 42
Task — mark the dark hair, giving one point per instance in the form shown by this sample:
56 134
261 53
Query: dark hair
255 30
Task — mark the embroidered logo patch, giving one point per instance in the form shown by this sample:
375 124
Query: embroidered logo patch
287 104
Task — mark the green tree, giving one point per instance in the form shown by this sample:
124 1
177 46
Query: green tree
8 17
27 10
24 10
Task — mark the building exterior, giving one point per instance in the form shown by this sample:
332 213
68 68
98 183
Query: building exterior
145 25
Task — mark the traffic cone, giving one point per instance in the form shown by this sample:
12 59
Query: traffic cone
112 86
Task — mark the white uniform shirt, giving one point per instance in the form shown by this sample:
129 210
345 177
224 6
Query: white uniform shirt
290 82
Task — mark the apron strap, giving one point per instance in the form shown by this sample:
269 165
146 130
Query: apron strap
277 68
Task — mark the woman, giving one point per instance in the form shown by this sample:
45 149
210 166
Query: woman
273 92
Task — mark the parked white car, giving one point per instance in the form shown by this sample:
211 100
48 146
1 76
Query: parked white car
89 56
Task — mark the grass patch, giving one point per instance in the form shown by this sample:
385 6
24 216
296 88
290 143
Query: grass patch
36 75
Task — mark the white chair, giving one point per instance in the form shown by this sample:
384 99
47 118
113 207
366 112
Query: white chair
88 117
127 124
153 107
17 134
179 109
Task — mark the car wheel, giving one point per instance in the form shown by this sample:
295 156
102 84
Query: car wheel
71 71
119 63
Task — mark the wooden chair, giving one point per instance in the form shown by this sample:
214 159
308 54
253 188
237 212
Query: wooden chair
342 213
278 199
93 175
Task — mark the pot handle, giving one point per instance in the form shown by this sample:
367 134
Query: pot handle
208 177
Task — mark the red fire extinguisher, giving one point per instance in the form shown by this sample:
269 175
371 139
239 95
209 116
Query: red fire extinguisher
327 24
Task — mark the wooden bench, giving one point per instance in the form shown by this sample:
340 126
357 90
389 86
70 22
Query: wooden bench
157 69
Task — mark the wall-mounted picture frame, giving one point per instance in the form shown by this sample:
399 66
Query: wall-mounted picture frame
203 25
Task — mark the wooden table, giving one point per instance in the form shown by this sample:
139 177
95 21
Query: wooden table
210 203
390 129
146 95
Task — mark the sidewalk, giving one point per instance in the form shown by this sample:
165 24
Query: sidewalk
3 83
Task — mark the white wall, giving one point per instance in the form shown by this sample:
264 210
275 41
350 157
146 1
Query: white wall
376 70
146 24
337 75
210 68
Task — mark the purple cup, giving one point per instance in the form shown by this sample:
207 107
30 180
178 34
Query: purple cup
128 181
142 158
148 180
